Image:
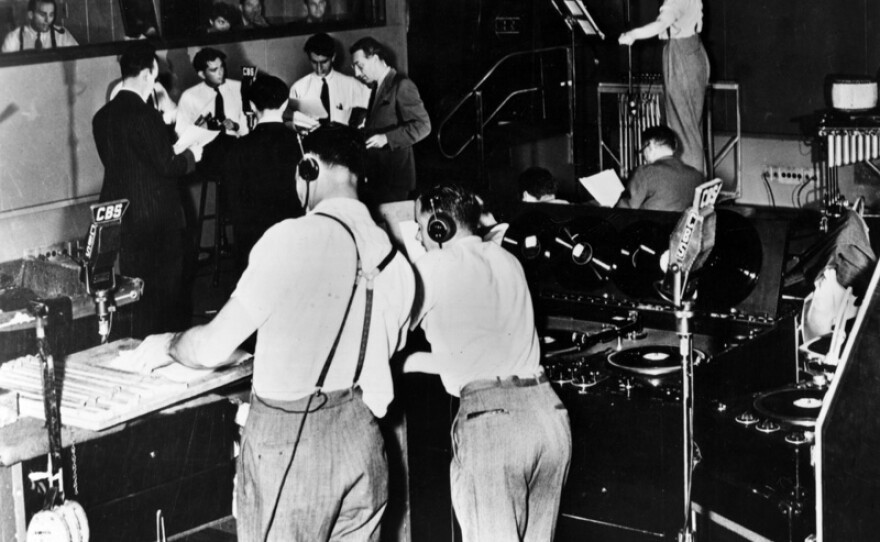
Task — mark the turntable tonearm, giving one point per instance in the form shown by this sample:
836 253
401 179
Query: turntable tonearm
610 344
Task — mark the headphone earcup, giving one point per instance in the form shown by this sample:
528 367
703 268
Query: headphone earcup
441 227
308 169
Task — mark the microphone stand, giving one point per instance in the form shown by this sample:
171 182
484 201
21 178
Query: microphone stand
684 313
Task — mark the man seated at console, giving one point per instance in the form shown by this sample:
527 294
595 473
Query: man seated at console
39 32
663 182
538 185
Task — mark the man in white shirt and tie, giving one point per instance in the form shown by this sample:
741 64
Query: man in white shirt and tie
337 93
215 103
39 32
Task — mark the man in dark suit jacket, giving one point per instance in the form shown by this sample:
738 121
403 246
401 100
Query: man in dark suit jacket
397 120
260 171
141 166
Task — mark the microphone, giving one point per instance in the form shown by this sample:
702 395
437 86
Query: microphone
99 261
693 238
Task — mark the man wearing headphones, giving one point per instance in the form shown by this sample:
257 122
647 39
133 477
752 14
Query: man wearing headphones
511 437
330 299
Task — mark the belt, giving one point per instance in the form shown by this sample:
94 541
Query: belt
507 382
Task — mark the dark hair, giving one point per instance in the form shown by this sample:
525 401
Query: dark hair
660 135
227 11
455 200
267 92
321 44
338 145
538 182
370 47
200 61
137 57
32 4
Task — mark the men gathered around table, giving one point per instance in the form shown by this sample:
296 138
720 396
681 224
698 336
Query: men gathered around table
663 182
39 32
337 93
511 437
259 169
141 166
330 300
252 14
396 121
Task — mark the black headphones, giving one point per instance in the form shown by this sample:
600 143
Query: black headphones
308 169
441 226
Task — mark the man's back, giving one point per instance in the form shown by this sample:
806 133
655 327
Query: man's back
299 277
139 163
667 184
260 184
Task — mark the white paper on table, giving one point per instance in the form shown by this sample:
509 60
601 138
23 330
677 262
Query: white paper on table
408 231
604 186
194 135
174 371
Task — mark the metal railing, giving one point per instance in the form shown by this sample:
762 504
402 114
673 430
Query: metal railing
476 96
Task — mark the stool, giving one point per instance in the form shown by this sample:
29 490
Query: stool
221 222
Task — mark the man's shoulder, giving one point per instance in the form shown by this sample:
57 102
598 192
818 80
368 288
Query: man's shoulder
192 91
233 84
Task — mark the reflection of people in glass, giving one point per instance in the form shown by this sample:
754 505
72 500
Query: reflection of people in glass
224 17
139 17
39 32
252 14
316 10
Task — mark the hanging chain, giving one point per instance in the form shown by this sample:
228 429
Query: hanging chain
73 469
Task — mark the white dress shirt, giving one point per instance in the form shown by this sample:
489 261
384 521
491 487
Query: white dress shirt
199 100
346 92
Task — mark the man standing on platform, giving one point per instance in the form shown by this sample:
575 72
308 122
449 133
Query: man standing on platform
330 300
685 72
338 93
396 121
511 437
663 182
141 166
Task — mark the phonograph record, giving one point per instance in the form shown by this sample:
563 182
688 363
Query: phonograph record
611 343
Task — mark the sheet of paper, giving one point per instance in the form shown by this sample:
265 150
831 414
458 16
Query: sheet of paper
194 135
604 186
408 231
174 371
310 107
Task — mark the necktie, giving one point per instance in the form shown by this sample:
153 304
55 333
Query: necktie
219 111
38 44
325 96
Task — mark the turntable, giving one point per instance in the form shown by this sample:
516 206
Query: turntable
610 346
793 406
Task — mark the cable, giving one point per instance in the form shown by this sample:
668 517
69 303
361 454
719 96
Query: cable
766 180
299 431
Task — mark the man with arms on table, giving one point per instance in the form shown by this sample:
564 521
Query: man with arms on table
316 353
511 436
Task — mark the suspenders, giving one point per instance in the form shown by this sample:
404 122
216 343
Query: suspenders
21 37
368 308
